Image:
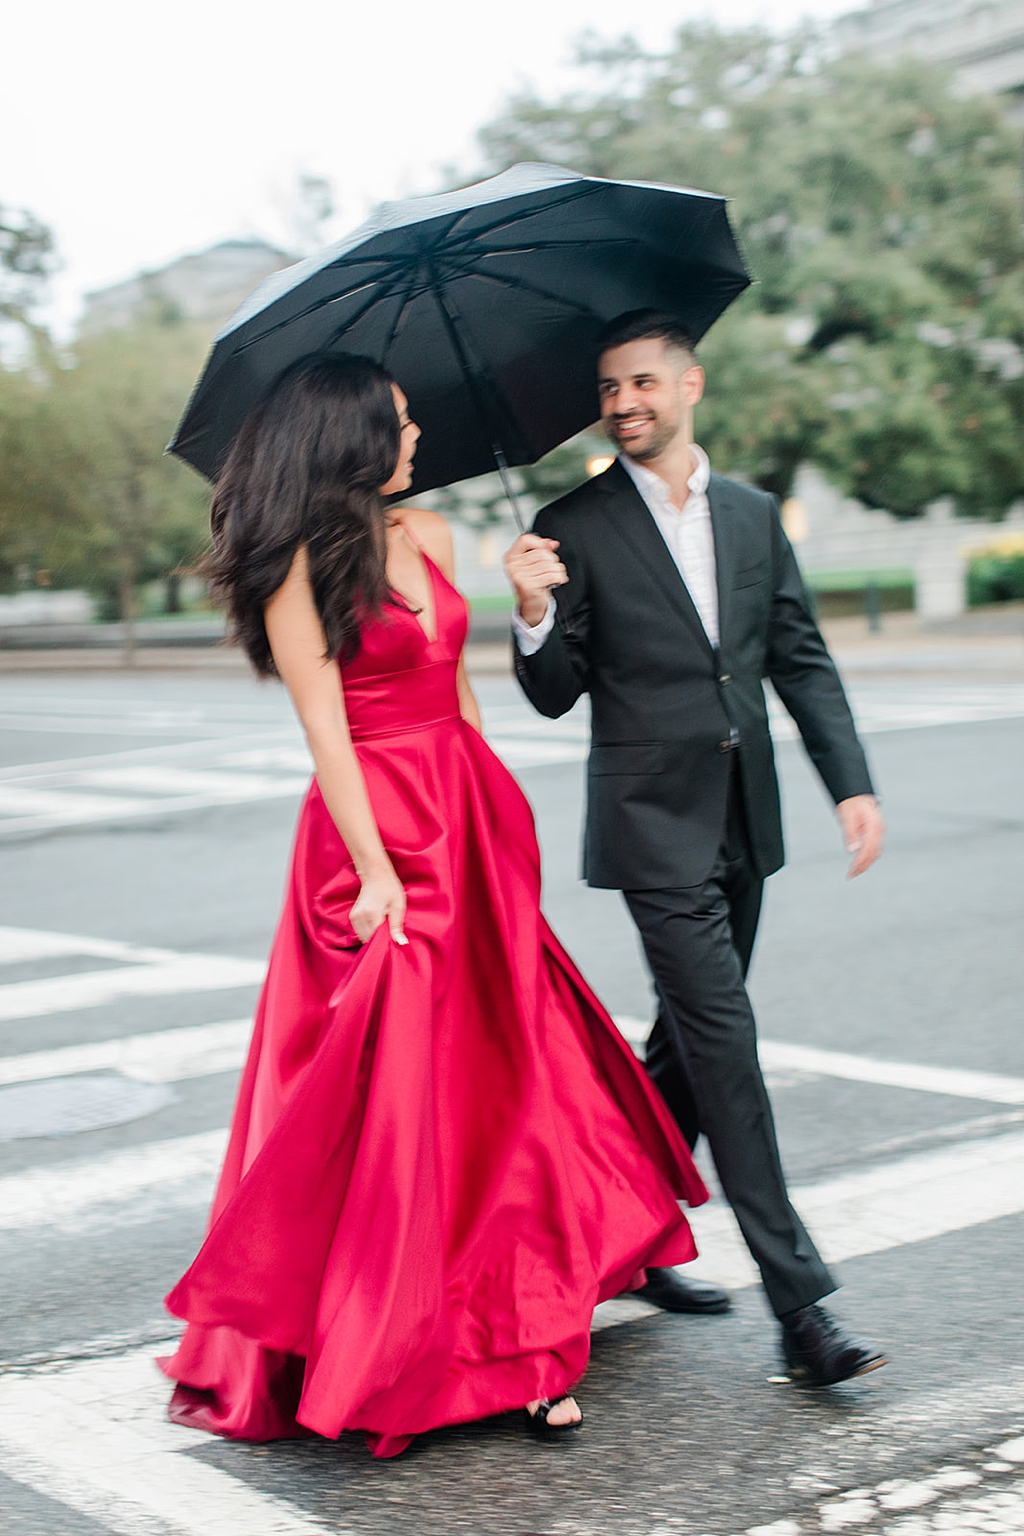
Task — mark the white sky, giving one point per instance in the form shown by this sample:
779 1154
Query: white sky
141 130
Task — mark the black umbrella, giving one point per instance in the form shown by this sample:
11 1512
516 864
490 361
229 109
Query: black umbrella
484 304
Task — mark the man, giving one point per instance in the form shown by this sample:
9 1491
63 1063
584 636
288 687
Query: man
669 593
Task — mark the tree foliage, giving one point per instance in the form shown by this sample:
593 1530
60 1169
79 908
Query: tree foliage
27 258
86 492
881 217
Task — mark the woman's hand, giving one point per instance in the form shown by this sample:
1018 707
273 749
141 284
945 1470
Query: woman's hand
381 899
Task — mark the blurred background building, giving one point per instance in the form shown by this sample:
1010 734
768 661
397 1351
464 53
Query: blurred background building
205 286
981 40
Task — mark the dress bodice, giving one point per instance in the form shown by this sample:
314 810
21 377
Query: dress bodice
400 680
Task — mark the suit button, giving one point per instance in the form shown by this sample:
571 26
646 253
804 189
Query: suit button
725 678
725 746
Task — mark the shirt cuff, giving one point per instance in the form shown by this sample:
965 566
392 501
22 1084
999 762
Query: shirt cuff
530 638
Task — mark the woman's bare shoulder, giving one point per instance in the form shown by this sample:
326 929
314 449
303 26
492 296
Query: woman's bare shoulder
427 528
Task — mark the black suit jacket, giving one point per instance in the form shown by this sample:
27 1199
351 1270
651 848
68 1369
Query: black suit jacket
667 709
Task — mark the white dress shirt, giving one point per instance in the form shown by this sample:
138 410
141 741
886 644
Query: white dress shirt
687 533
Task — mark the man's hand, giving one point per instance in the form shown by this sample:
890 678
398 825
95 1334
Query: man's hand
533 568
863 831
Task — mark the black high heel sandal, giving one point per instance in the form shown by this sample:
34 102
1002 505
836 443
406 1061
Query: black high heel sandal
538 1422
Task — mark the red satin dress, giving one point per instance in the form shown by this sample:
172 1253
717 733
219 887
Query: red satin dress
443 1155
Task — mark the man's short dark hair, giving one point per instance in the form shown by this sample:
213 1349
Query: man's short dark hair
644 325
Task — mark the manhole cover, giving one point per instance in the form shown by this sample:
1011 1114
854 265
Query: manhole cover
63 1106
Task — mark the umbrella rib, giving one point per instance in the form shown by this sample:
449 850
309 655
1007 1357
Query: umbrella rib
538 245
312 309
537 290
405 300
586 189
477 377
353 258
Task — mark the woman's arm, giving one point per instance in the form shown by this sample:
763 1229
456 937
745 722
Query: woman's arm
297 643
431 532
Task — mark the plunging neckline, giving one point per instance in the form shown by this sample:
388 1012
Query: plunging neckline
428 570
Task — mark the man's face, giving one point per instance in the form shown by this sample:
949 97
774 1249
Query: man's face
646 391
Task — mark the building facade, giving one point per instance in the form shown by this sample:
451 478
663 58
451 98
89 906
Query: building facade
206 286
982 41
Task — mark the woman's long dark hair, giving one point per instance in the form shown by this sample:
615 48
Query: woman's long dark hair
306 467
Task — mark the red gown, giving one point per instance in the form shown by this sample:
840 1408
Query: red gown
443 1155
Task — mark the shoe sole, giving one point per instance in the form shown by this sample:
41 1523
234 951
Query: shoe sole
715 1310
548 1433
864 1370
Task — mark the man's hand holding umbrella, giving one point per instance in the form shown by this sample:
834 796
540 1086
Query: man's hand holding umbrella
533 567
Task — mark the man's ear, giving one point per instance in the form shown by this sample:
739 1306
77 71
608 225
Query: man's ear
693 384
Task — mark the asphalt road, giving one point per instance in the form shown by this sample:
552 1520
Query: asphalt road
144 833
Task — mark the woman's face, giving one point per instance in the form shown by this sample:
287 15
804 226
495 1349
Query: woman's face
401 479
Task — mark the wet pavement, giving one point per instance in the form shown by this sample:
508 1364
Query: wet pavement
129 961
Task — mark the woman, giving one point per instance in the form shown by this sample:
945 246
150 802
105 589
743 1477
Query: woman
442 1156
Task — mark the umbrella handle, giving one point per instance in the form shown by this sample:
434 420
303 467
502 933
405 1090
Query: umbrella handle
509 488
513 501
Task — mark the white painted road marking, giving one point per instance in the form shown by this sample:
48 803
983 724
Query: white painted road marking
51 796
194 783
165 1056
93 1434
909 1201
144 972
22 806
19 944
957 1500
94 989
96 1437
98 1192
954 1082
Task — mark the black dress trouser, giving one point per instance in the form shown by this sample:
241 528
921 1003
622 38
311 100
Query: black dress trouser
702 1054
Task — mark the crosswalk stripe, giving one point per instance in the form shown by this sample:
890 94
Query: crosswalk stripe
171 1055
95 1436
19 944
22 805
954 1082
910 1201
225 785
145 782
922 1196
951 1081
165 1056
93 989
80 1196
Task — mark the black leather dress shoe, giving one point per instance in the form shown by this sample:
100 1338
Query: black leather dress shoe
819 1353
667 1289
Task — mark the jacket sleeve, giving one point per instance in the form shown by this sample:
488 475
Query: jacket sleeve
804 676
555 676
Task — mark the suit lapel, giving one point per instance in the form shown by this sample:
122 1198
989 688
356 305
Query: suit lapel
723 528
626 513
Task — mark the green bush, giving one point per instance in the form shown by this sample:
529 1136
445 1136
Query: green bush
996 576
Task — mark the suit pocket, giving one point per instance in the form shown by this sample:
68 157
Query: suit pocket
628 757
751 575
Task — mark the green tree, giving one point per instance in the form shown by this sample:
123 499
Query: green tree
130 513
32 494
482 501
28 257
881 217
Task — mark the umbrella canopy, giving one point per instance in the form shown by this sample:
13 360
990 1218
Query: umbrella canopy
484 304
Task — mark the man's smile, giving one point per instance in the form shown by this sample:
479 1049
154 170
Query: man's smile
631 426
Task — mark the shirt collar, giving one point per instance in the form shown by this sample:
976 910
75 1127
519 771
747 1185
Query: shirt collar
646 481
